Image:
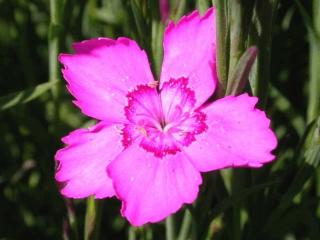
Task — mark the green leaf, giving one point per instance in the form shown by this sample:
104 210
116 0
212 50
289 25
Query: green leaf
298 215
24 96
312 154
283 104
240 75
235 198
222 39
308 22
181 8
141 23
306 171
202 5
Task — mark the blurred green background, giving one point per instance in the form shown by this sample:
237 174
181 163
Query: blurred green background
279 201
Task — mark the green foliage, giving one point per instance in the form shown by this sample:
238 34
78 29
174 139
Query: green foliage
279 201
24 96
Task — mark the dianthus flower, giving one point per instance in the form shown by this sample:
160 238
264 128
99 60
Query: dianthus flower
153 140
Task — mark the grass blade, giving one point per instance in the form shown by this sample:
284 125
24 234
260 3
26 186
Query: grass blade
25 96
235 198
240 75
93 218
222 36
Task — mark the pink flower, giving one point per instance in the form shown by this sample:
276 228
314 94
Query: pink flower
152 142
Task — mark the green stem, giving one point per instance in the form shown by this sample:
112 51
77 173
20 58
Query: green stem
236 34
56 7
170 228
132 233
221 25
156 42
72 219
185 226
142 25
314 66
54 42
180 9
314 86
144 28
236 188
202 6
194 227
240 75
264 12
93 218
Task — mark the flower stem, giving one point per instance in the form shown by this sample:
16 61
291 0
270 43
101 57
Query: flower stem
57 8
194 227
222 33
180 9
236 189
314 65
264 14
72 219
142 24
132 233
54 41
202 5
185 226
156 44
93 218
170 228
240 76
236 34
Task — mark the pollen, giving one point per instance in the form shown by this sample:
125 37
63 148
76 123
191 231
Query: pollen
153 84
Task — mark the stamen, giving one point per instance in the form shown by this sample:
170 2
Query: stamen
164 120
143 131
153 84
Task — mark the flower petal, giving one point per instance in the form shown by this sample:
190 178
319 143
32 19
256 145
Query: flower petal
82 164
238 135
189 52
177 99
101 72
152 188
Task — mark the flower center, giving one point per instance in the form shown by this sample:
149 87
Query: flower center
163 121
